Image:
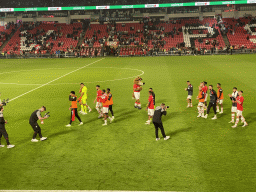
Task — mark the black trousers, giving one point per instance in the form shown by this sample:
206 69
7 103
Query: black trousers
213 105
111 110
37 129
160 126
74 113
5 134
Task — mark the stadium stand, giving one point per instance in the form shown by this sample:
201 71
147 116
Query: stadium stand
135 38
44 37
6 33
240 32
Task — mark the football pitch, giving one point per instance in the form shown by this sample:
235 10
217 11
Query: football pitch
201 155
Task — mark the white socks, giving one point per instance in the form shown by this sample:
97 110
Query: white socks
233 117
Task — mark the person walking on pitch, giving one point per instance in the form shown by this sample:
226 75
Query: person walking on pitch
240 102
233 97
98 103
3 130
35 116
157 121
220 98
190 94
200 106
150 108
83 99
212 103
110 103
104 100
73 108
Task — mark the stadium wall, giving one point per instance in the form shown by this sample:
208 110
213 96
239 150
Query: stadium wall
235 14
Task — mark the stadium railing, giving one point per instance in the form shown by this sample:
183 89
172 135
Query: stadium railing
148 53
35 56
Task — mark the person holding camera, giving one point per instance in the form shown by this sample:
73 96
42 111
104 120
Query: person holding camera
3 131
33 122
4 102
157 120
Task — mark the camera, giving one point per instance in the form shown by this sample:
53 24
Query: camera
4 102
47 114
167 107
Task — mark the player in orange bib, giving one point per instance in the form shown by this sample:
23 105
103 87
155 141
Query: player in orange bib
105 103
73 108
110 103
200 107
220 98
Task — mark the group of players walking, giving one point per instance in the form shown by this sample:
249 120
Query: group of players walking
103 100
104 104
216 102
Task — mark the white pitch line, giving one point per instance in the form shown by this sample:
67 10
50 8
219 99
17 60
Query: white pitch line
35 70
18 84
80 191
54 80
88 82
102 81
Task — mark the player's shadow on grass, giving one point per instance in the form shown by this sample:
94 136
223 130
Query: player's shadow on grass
61 133
159 102
170 115
92 120
173 133
124 116
251 119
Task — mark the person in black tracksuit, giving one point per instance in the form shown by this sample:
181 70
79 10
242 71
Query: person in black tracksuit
33 122
212 103
157 121
3 130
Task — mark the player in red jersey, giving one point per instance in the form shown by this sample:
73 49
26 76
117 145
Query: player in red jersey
239 101
105 103
205 90
150 108
136 90
98 102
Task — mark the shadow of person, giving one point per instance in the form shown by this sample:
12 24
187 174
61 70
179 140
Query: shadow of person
251 119
71 129
125 115
170 115
173 133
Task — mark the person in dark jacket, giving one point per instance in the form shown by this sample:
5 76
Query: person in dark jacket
212 103
3 131
157 121
35 116
190 94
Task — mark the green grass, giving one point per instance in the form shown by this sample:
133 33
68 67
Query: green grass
202 154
